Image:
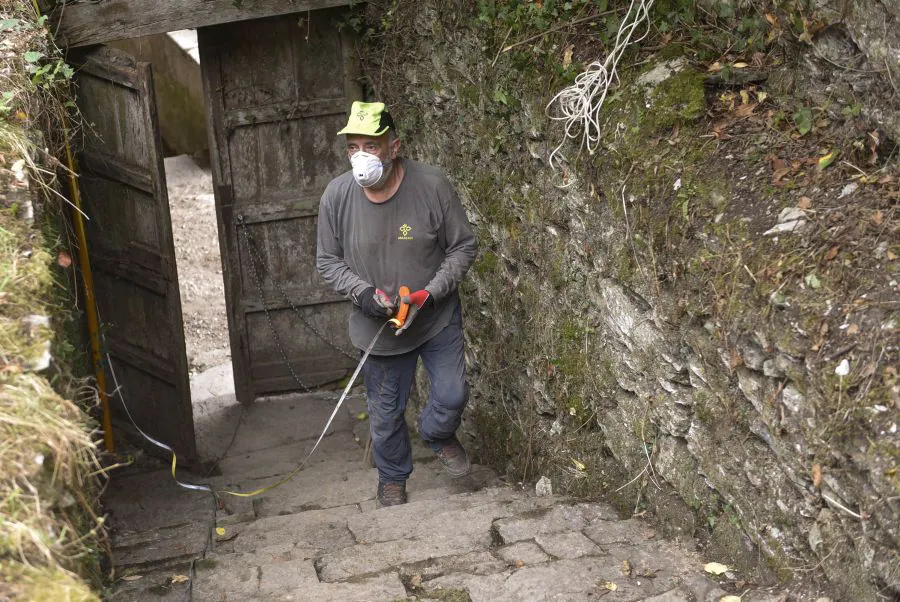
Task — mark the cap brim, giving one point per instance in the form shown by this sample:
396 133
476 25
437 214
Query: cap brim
350 130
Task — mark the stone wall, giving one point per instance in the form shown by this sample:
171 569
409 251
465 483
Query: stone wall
610 365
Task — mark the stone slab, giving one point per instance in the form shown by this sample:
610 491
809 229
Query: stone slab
568 545
154 522
216 382
475 563
703 588
679 594
570 580
336 485
241 576
560 518
412 533
367 559
322 529
620 532
152 500
278 421
268 463
522 553
143 550
231 510
386 587
163 585
471 513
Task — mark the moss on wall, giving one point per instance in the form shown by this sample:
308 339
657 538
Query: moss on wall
634 334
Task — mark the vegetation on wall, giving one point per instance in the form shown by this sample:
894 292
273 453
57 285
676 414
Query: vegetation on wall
50 534
752 222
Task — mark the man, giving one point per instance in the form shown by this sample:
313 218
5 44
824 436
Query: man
386 223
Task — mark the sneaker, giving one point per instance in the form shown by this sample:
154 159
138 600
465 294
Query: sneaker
391 494
453 458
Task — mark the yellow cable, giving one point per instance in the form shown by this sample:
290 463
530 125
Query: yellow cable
90 300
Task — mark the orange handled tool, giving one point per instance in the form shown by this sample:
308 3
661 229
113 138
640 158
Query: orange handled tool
399 319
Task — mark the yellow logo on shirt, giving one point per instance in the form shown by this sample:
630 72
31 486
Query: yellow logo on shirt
404 232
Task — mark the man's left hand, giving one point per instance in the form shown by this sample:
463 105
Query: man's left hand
417 301
419 298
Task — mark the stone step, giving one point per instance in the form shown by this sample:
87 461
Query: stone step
320 529
282 573
161 584
285 420
418 532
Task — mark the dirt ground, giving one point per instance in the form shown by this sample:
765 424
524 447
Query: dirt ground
192 207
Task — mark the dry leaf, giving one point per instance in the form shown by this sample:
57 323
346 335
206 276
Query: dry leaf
610 586
832 253
715 568
180 579
891 256
626 568
415 580
772 19
132 577
878 218
817 475
730 598
853 329
520 564
745 110
567 56
805 202
715 67
780 173
740 65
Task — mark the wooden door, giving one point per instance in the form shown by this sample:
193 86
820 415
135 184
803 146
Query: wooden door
278 90
129 234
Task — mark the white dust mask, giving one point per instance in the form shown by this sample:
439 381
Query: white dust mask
368 170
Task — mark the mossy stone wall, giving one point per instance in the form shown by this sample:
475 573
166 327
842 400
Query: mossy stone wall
614 341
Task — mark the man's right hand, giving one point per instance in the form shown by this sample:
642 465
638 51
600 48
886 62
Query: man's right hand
374 303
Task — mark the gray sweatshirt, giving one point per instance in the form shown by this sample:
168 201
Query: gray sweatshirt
419 238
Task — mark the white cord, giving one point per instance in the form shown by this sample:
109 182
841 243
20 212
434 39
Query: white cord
579 104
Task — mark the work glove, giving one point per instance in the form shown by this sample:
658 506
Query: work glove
417 301
374 303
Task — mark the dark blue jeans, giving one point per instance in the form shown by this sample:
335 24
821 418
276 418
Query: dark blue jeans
389 379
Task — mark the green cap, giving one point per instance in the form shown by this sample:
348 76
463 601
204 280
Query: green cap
368 119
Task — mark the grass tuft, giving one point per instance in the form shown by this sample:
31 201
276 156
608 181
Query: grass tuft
50 533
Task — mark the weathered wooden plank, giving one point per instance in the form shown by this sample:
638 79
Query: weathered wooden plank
260 213
121 267
285 111
275 301
95 22
114 168
108 64
267 380
156 367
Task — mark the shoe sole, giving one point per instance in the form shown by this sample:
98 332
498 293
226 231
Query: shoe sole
458 475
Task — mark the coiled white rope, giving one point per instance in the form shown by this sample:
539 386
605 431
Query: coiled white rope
579 104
